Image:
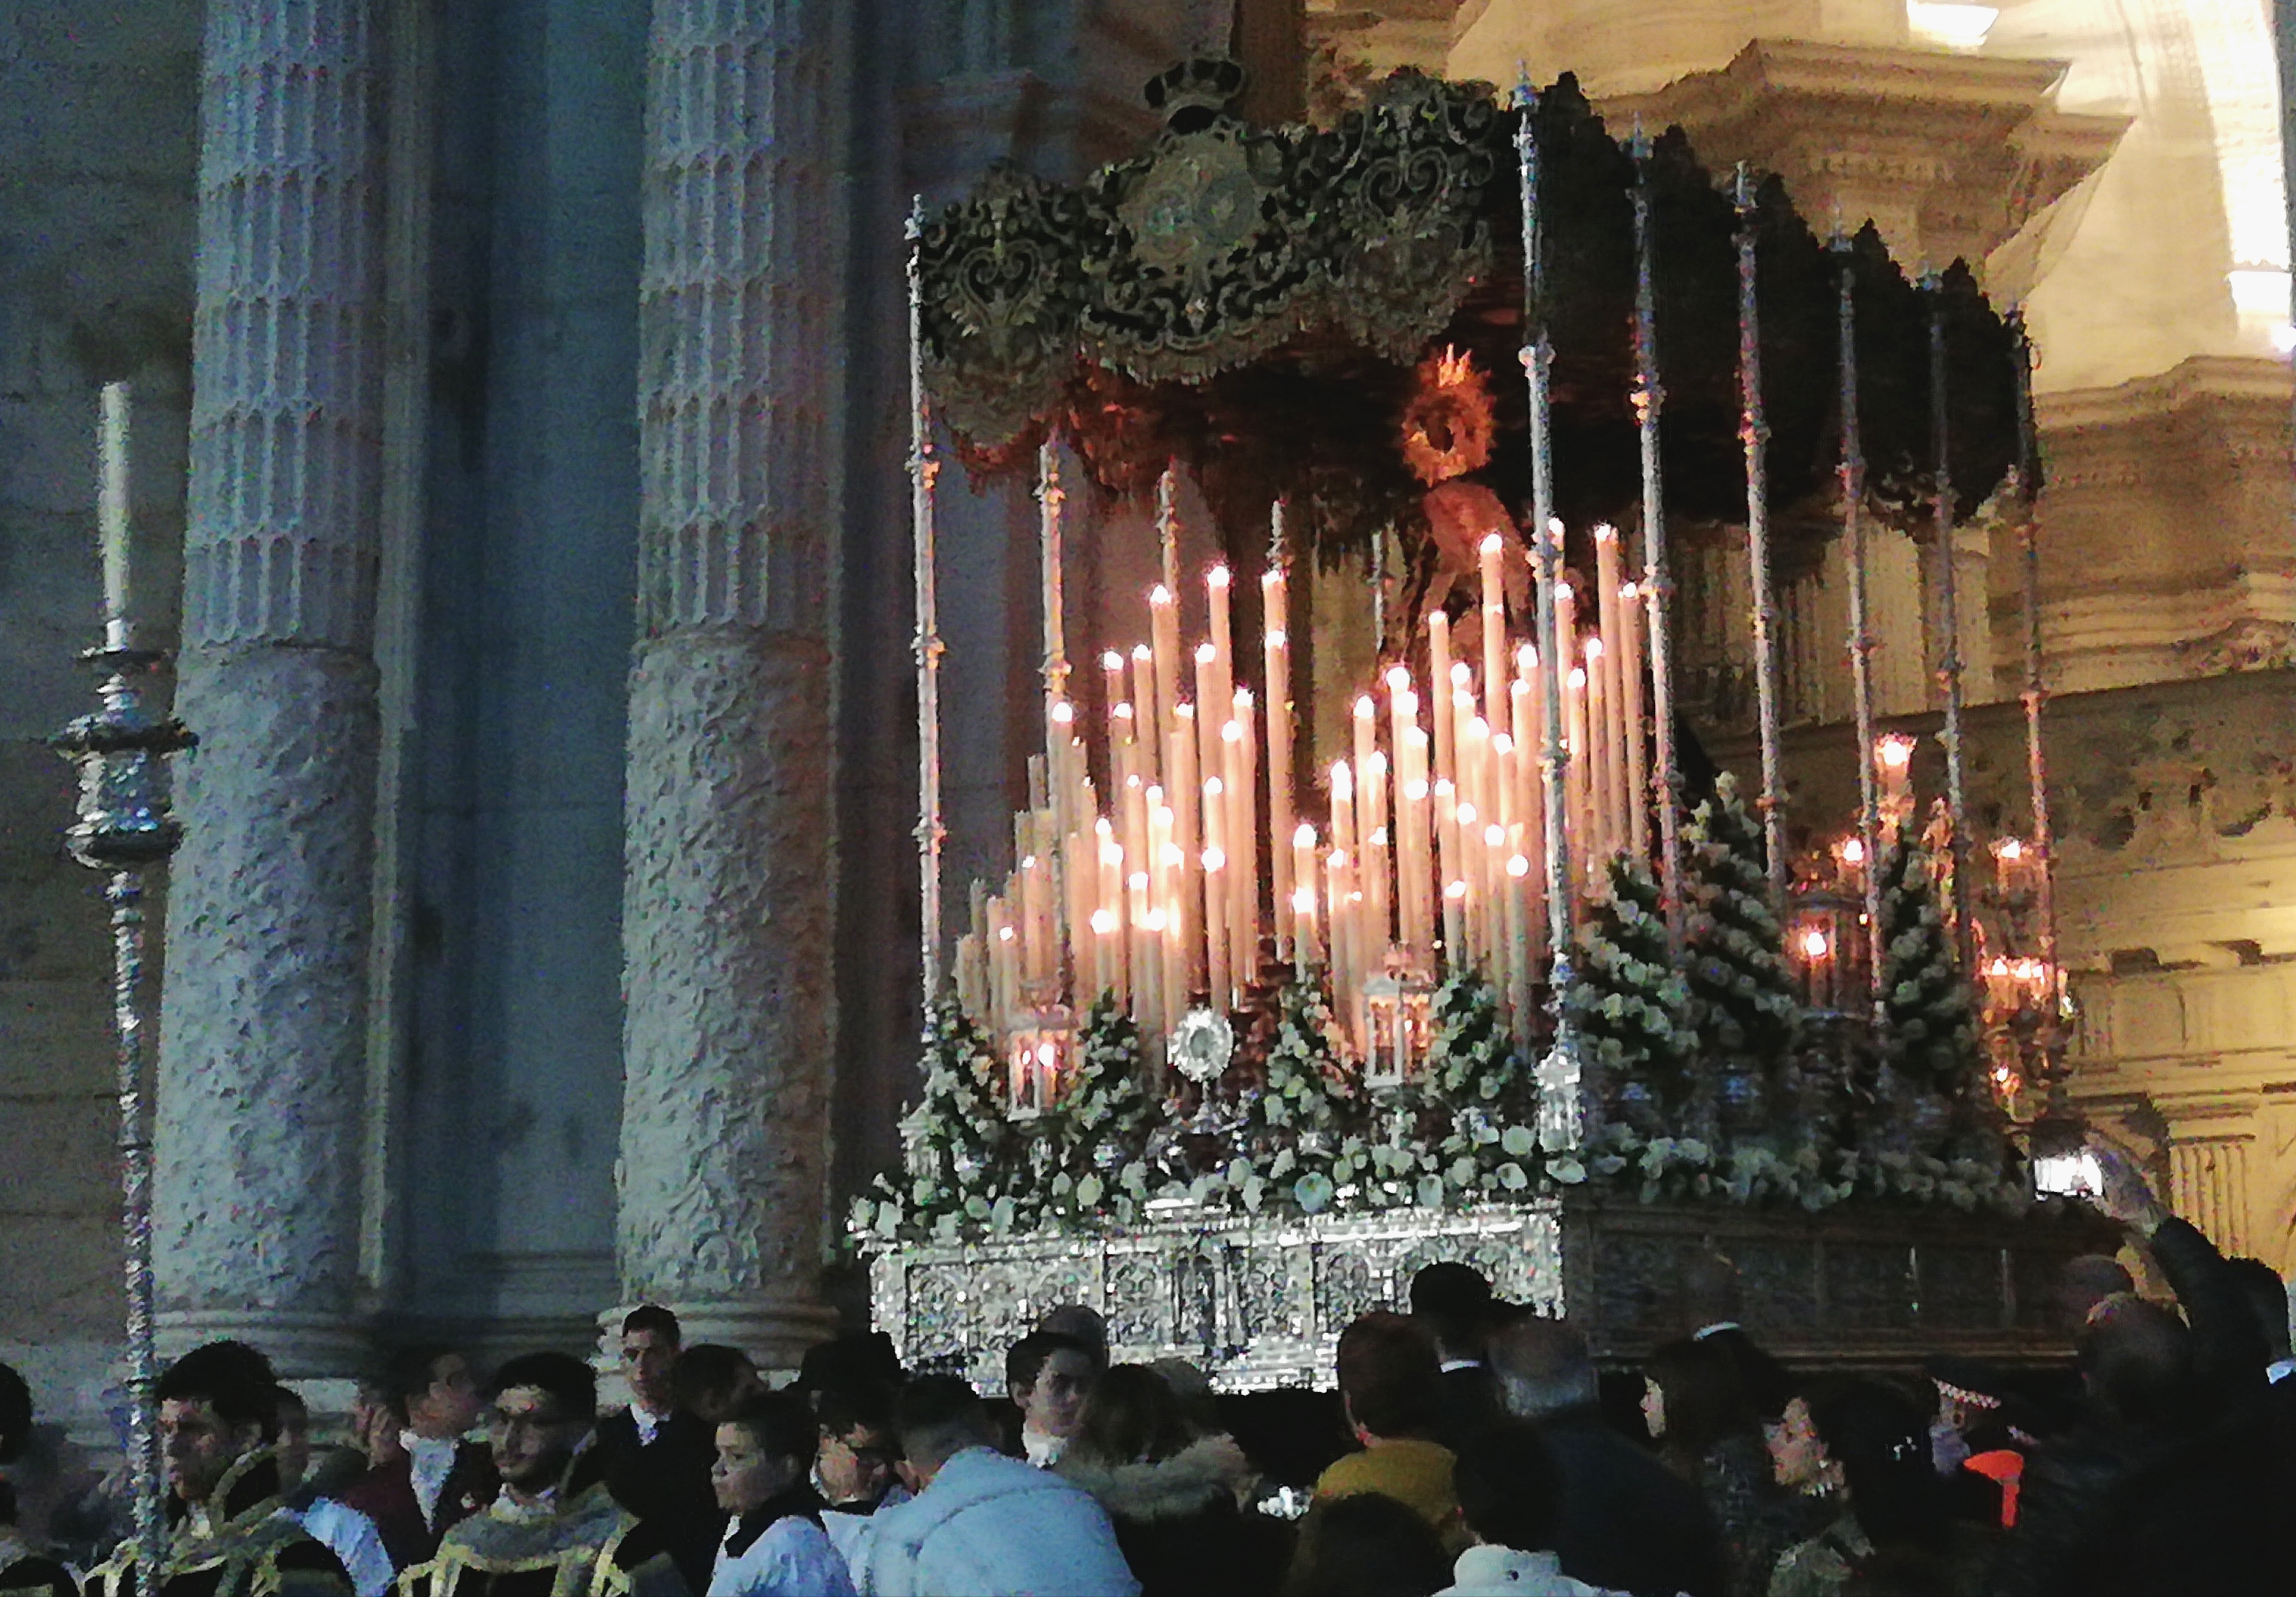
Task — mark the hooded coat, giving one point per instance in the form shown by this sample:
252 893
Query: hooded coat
1181 1525
989 1526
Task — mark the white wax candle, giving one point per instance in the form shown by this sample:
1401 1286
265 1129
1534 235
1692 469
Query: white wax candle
1243 942
1164 647
111 503
1148 713
1304 950
1220 978
1438 690
1282 803
1495 708
1187 830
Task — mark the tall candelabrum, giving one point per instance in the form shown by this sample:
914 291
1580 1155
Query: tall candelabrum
125 827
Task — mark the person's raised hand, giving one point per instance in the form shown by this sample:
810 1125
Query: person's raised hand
2123 1193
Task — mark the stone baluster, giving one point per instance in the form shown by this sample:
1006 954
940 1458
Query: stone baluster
726 919
262 1056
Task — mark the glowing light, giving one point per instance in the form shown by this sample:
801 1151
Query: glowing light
1214 860
1217 578
1466 814
1398 680
1815 944
1415 790
1454 888
1460 677
1853 852
1062 714
1303 902
1160 594
1304 838
1104 922
1517 865
1003 934
2009 848
1492 543
1953 26
1895 752
1112 661
1206 654
1274 640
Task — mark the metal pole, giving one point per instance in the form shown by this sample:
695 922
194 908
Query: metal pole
1861 634
1658 581
124 825
1754 433
1562 1111
923 469
1950 666
2036 695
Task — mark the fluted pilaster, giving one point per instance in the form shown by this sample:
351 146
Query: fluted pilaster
262 1056
727 912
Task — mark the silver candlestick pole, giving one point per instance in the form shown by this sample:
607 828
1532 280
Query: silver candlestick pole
1658 578
1564 1113
1861 631
125 827
932 834
1754 433
2036 696
1950 665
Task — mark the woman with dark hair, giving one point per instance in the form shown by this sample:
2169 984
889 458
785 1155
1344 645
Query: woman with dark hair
1695 1403
1864 1447
1174 1498
1367 1544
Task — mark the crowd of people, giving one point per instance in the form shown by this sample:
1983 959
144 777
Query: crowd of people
1473 1450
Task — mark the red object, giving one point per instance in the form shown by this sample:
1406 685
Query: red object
2005 1467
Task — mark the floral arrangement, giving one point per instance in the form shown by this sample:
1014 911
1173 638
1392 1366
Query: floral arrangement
1294 1134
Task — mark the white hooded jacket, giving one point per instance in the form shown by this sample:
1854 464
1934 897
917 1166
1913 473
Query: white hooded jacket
989 1526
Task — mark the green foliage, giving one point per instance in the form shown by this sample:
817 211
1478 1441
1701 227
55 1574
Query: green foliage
1743 1000
1103 1121
1295 1128
1482 1093
1928 1012
962 1157
1629 1003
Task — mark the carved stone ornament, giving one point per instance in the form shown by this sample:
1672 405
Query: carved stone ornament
1201 1045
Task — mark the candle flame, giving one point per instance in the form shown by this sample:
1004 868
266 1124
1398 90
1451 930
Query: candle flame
1121 709
1501 744
1339 859
1276 640
1215 859
2000 967
1153 920
1206 654
1112 661
1605 533
1379 837
1140 652
1139 881
1814 945
1132 781
1047 1055
1303 902
1375 767
1554 527
1398 680
1526 660
1110 854
1183 711
1028 862
1578 676
1365 708
1217 578
1343 782
1103 827
1174 855
1896 750
1243 700
1213 788
1160 594
1853 852
1595 648
1104 922
1460 677
1495 836
1003 934
1415 790
1443 787
1518 866
1454 888
1155 798
1628 593
1564 593
1479 728
1271 579
2009 848
1062 714
1304 838
1492 543
1466 813
1231 731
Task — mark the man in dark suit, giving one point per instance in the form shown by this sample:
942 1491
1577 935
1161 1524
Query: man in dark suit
439 1478
655 1457
1454 1302
1628 1523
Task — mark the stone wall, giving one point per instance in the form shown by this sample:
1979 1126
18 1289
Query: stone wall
96 221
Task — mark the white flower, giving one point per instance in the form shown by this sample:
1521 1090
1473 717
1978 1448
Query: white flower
1254 1190
1239 1171
1570 1172
976 1207
1088 1192
1430 1191
1517 1141
1312 1192
889 1217
1512 1178
1002 1215
1284 1163
1462 1172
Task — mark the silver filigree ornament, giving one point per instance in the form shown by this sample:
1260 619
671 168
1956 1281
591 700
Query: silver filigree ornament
1201 1045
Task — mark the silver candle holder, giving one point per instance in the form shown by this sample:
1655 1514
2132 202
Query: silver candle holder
126 827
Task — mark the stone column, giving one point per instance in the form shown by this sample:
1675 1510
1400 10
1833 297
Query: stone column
262 1051
727 917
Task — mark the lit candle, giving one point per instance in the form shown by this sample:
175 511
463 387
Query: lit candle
1276 663
1147 716
1574 727
1438 687
1216 591
1495 707
1611 740
1377 851
1187 828
1893 761
1164 647
1447 861
111 507
1303 900
1631 648
1518 870
1600 832
1243 935
1338 893
1219 978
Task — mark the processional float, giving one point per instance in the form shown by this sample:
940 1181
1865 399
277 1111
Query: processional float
1279 1002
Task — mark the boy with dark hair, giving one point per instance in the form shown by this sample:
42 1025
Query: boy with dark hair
435 1477
217 1420
855 1462
1389 1374
349 1534
1454 1302
654 1455
1510 1491
775 1544
546 1534
1047 1376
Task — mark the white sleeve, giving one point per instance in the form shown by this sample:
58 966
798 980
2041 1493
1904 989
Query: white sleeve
351 1536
